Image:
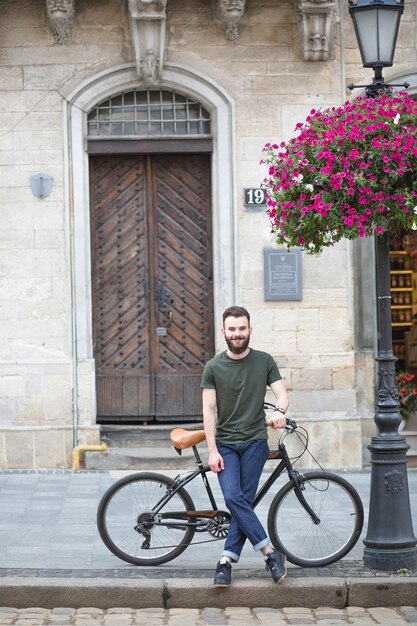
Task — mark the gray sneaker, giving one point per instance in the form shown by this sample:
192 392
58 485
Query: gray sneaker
223 575
275 563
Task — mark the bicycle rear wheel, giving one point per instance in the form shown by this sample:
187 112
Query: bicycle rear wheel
305 543
129 503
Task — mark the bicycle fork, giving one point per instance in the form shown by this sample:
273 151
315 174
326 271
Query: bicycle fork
295 476
299 487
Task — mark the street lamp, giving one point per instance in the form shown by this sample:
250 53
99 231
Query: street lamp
390 543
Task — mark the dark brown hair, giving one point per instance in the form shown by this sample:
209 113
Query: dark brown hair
236 311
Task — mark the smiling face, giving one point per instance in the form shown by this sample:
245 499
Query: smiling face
61 17
231 10
236 331
60 11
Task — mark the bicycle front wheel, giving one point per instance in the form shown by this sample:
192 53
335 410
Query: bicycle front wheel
309 543
129 528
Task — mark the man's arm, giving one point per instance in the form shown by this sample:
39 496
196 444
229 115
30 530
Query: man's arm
281 402
215 460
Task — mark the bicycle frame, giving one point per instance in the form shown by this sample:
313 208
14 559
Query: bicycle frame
202 470
141 531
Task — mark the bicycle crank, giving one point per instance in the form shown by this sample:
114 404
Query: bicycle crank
218 526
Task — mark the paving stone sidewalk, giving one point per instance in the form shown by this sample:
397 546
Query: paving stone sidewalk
48 522
239 616
50 544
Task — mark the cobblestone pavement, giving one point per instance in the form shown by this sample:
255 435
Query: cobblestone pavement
196 617
342 569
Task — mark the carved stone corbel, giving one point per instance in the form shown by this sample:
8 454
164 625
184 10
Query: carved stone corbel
148 24
316 21
61 18
230 12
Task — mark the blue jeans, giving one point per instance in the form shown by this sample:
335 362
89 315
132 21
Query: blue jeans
243 465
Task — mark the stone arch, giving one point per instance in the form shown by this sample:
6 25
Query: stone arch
78 103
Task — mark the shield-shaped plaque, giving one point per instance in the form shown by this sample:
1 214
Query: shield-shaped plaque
41 185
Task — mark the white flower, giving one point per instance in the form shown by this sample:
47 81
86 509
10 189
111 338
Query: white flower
271 236
298 179
309 187
397 118
415 209
414 226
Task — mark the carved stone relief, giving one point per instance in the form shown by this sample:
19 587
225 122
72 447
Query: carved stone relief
316 20
148 24
61 18
230 12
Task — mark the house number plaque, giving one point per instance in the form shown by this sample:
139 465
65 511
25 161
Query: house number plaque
255 198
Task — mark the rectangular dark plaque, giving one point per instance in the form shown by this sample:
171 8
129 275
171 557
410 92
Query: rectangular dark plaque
282 274
255 198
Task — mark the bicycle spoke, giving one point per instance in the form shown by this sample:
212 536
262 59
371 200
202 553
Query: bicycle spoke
125 520
293 531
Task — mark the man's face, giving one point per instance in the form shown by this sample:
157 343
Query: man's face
60 10
231 10
236 331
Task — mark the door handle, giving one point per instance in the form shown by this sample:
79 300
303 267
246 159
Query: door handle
161 294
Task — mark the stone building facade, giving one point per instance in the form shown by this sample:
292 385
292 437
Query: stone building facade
82 103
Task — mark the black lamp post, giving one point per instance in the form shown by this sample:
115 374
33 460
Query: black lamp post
390 543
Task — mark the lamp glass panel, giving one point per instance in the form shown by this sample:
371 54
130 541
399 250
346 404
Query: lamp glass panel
366 23
388 28
376 30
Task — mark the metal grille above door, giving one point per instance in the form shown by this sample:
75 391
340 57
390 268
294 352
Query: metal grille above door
152 284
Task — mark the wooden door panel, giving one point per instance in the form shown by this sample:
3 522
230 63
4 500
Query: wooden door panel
151 262
120 278
122 395
178 396
136 393
183 266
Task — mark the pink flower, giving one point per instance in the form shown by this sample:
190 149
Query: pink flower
350 165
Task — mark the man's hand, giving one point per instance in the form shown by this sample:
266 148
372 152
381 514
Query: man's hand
216 462
278 421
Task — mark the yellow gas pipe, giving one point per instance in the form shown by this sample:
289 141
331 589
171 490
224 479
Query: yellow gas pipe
102 447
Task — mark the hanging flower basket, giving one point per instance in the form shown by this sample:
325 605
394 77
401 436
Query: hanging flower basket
349 172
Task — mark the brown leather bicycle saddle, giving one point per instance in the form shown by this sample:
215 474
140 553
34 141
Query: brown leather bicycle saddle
182 438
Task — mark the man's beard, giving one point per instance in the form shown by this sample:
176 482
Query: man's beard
238 349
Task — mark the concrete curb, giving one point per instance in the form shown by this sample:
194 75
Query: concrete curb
311 592
374 592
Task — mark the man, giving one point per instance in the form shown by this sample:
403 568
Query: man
234 384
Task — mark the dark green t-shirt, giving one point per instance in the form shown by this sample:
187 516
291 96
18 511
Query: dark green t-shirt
240 386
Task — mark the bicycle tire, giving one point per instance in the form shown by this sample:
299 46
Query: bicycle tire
293 532
125 502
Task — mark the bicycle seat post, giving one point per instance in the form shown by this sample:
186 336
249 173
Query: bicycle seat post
197 456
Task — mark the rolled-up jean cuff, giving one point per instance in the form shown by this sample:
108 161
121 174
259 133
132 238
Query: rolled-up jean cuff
261 544
231 555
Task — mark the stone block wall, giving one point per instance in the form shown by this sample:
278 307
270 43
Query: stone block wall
36 310
272 89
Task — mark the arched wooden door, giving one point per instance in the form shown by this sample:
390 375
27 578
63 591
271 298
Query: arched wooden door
152 284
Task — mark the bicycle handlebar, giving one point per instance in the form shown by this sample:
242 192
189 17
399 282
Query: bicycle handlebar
291 424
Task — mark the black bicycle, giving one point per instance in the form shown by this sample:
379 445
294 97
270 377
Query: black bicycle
149 519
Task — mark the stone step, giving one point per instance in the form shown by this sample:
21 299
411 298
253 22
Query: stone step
154 458
141 436
411 457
